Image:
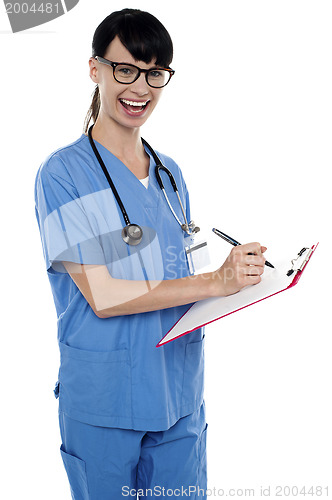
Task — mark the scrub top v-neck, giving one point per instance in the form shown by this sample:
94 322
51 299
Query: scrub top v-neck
145 182
111 374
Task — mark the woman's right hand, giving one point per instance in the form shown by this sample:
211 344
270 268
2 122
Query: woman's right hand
240 269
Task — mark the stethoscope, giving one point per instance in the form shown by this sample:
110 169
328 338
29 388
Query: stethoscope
132 234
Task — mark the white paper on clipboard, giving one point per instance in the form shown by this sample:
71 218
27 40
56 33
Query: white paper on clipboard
273 281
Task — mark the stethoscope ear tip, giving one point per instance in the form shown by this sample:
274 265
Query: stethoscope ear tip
193 227
190 228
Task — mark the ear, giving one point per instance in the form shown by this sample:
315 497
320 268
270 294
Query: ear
93 70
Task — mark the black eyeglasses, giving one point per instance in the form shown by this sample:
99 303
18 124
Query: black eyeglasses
128 73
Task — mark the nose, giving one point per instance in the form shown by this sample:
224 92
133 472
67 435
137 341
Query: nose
140 86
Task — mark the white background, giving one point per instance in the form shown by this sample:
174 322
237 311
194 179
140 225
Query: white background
248 118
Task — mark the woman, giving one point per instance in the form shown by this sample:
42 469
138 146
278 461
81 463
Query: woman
132 417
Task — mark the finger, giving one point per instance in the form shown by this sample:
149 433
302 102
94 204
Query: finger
253 280
254 270
253 248
254 260
243 270
263 249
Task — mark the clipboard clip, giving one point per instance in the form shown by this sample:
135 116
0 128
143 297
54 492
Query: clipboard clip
300 261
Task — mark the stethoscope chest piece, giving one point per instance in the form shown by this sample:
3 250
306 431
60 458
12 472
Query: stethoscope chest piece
132 234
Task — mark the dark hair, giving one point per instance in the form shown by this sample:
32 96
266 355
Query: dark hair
142 35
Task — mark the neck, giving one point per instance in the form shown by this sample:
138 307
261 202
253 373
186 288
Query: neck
125 143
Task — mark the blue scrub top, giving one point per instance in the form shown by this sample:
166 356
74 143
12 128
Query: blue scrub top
111 373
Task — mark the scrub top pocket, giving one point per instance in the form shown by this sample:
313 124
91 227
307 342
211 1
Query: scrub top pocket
193 376
94 384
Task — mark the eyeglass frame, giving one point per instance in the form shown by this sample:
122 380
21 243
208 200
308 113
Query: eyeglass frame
113 64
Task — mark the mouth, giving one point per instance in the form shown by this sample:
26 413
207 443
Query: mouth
134 107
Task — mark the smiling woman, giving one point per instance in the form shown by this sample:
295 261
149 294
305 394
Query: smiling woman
129 414
126 92
136 39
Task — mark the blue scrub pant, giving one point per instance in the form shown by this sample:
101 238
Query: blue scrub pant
105 463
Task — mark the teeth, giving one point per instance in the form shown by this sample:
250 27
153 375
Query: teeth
134 103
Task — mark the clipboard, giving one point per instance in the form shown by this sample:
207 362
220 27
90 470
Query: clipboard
285 275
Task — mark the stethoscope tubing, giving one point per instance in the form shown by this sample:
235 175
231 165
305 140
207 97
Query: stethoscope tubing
108 177
159 166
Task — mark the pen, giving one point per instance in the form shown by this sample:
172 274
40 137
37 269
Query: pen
234 242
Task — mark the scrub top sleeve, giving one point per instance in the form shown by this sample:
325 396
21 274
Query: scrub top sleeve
64 226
